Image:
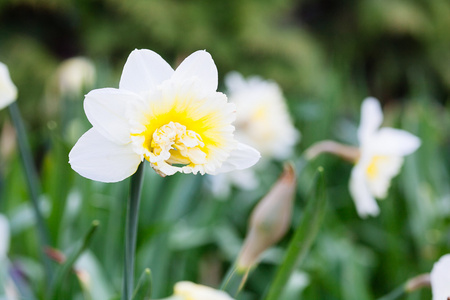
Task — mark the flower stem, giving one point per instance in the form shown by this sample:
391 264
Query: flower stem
235 280
413 284
303 238
33 185
131 232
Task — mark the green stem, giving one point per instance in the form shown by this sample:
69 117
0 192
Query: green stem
303 238
131 232
33 185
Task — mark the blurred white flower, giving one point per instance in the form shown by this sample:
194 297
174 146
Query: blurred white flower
7 288
263 119
74 74
221 184
440 278
186 290
262 122
4 238
8 91
381 157
174 119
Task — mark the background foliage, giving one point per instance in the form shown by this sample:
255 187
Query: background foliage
326 55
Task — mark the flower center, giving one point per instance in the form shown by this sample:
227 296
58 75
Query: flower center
373 169
175 144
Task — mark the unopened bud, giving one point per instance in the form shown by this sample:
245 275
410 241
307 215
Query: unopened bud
186 290
269 220
74 74
84 278
348 153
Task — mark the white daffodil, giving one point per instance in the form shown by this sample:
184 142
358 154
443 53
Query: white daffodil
440 278
186 290
174 119
74 74
262 118
8 91
380 159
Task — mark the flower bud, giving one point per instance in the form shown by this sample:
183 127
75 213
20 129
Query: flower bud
269 220
74 74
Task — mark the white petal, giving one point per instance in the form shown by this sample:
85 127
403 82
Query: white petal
365 203
440 278
143 71
8 91
240 158
4 237
201 65
371 118
106 110
97 158
391 141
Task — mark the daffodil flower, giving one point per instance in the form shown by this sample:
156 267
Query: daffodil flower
8 91
176 120
381 155
440 278
186 290
263 119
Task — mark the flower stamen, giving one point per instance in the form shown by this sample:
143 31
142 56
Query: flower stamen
174 144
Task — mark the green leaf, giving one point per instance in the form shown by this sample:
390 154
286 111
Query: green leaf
66 267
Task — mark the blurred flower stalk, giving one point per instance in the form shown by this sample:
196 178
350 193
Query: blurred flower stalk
377 160
8 97
438 279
